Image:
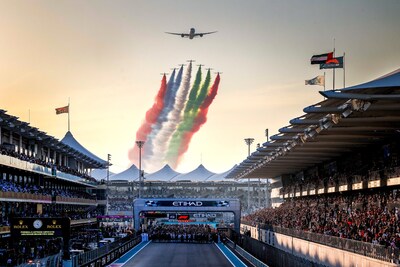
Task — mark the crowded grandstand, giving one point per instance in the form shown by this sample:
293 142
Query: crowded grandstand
336 169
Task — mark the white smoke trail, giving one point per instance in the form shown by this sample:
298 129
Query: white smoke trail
174 118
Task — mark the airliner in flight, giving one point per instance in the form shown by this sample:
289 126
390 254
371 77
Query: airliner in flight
192 33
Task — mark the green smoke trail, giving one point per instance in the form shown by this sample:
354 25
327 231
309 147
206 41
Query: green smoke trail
196 97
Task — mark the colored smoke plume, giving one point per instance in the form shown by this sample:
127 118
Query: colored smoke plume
200 119
150 118
156 126
184 125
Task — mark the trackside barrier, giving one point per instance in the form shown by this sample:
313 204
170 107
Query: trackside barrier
106 254
375 251
51 261
253 260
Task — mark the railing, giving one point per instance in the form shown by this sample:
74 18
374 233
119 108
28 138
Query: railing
51 261
74 200
253 260
19 196
107 253
33 167
375 251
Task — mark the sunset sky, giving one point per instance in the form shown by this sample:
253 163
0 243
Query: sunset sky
107 56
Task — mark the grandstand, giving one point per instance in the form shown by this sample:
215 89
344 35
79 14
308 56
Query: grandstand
45 178
335 175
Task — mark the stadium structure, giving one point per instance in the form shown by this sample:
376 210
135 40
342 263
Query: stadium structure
43 177
335 175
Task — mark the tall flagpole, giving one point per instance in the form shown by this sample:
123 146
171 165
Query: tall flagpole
324 83
333 68
344 71
69 111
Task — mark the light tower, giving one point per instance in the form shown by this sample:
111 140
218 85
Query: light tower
248 142
140 145
108 182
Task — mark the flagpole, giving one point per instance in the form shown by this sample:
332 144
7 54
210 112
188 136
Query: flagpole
333 68
344 71
69 111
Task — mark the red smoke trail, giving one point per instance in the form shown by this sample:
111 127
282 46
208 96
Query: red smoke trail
200 119
150 118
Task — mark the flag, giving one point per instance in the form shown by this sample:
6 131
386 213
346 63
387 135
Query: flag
62 110
319 59
333 63
319 80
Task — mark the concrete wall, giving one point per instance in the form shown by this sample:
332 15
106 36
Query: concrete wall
314 252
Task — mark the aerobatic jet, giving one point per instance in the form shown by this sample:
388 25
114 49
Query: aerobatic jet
192 33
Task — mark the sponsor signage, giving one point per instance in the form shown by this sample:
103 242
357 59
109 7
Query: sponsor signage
205 215
186 203
40 227
183 217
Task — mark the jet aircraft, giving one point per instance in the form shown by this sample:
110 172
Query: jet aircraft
192 33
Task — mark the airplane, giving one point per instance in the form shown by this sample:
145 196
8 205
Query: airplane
164 73
182 65
190 61
209 69
200 65
192 34
218 72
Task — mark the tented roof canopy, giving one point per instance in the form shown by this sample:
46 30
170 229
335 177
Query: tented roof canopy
70 140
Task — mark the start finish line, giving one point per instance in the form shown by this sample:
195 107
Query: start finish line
194 210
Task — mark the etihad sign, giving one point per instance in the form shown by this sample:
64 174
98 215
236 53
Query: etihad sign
187 203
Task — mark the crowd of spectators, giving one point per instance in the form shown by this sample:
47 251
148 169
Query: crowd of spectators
9 151
11 186
181 233
115 229
120 206
368 217
29 250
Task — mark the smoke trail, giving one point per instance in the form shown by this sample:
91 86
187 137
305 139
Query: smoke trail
173 118
200 119
196 97
155 127
150 118
174 143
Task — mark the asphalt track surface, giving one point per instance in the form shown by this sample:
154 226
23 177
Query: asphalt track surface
179 255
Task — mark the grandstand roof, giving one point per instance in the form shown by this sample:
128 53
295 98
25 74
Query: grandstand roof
70 140
220 177
164 174
130 174
167 174
200 174
24 129
348 119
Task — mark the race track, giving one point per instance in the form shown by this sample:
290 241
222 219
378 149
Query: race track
179 255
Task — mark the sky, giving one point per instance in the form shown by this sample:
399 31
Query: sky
105 57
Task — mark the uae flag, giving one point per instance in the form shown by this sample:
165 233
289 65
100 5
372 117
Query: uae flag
62 110
319 80
334 63
320 59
